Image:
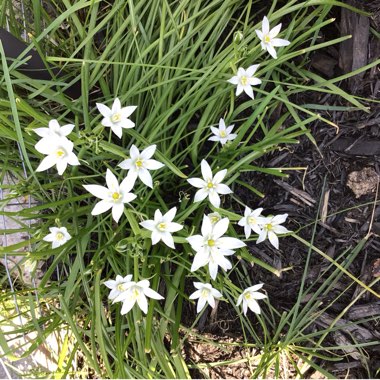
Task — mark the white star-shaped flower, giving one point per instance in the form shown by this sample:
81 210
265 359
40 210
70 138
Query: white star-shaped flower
268 37
211 247
139 164
57 236
116 117
59 151
113 196
249 297
54 130
210 186
136 292
244 80
205 293
117 286
271 227
162 227
252 221
223 133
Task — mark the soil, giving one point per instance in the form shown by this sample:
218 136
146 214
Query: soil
338 187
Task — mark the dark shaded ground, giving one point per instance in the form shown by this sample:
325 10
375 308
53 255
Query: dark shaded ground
341 177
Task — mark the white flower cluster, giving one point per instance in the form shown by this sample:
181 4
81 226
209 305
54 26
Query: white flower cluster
56 146
212 246
245 79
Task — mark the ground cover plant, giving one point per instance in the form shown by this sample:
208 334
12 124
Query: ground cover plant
149 221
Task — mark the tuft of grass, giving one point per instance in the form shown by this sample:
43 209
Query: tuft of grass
172 59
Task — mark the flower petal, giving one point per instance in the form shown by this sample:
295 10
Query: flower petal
111 180
145 177
272 51
168 239
127 305
200 195
100 207
66 129
280 42
220 228
213 198
252 69
143 303
274 31
116 106
233 80
259 34
200 259
117 130
126 164
97 190
152 294
273 239
219 176
104 110
230 243
148 224
46 163
254 306
170 215
117 211
61 166
153 164
128 182
206 170
248 90
148 152
197 182
156 236
201 304
223 189
126 123
265 25
127 111
213 269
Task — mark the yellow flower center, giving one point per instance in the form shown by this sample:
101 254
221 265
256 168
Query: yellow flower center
59 236
116 196
244 80
223 134
60 153
210 185
136 293
267 39
116 117
139 163
269 227
247 296
215 219
162 226
252 220
120 287
204 293
211 242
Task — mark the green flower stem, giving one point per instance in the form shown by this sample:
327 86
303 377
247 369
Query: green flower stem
149 317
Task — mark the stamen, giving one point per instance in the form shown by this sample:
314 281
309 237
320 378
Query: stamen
211 242
116 196
115 118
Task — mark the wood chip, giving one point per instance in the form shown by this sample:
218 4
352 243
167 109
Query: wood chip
325 206
300 194
364 311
